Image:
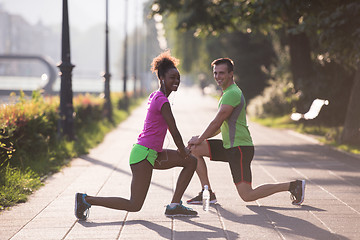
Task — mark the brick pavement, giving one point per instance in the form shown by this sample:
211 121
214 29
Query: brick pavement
331 209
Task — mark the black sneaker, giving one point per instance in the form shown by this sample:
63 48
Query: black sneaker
198 198
298 192
179 210
81 206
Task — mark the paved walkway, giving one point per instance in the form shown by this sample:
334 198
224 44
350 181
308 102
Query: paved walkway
331 209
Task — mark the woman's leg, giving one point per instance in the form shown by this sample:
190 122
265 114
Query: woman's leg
170 158
140 183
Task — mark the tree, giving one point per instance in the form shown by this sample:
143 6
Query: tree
351 132
250 51
210 17
339 32
333 26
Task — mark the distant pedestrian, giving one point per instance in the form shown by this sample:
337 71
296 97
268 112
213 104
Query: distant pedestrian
236 146
147 154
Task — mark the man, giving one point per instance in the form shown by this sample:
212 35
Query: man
236 146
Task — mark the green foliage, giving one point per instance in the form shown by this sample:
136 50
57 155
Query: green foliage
31 147
250 52
19 121
275 122
327 135
15 185
276 100
323 41
6 147
338 30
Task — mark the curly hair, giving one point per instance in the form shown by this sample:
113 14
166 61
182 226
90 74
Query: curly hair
162 63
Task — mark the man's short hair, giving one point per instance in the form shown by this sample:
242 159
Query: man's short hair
227 61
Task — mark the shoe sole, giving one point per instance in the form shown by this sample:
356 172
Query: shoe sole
200 202
76 203
303 193
180 215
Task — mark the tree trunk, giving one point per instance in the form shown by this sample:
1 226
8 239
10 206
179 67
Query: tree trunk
351 132
301 64
301 68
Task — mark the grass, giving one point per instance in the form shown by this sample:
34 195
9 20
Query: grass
327 135
17 185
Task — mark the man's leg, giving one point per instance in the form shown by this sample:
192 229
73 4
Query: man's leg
205 149
240 164
200 151
248 194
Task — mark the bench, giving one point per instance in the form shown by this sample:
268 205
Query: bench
313 112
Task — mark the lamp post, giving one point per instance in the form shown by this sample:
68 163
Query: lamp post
135 49
144 56
126 100
108 105
66 94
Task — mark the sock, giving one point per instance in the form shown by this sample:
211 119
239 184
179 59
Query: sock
208 189
172 205
86 201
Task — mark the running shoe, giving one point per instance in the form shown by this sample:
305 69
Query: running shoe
298 192
198 198
81 206
180 211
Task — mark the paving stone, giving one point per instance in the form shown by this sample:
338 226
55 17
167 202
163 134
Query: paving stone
330 210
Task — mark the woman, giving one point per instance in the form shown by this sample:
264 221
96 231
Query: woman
148 154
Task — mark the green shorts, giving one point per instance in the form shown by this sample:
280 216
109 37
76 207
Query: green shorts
139 153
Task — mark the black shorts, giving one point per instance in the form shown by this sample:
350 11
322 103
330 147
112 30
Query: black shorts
239 159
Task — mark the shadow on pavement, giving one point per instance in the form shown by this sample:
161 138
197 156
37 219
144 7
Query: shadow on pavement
267 217
295 226
311 157
166 232
216 232
299 208
91 224
308 154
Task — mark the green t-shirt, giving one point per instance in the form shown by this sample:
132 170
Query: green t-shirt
234 130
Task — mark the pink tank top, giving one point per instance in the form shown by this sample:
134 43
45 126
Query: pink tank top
155 126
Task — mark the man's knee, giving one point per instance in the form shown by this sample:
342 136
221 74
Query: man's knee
245 197
245 191
197 151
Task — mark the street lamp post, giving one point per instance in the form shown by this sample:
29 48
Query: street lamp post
126 100
107 75
135 49
66 94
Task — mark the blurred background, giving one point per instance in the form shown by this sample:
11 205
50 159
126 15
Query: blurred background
34 28
286 53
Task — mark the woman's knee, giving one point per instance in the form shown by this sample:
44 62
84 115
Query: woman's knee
135 207
191 162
